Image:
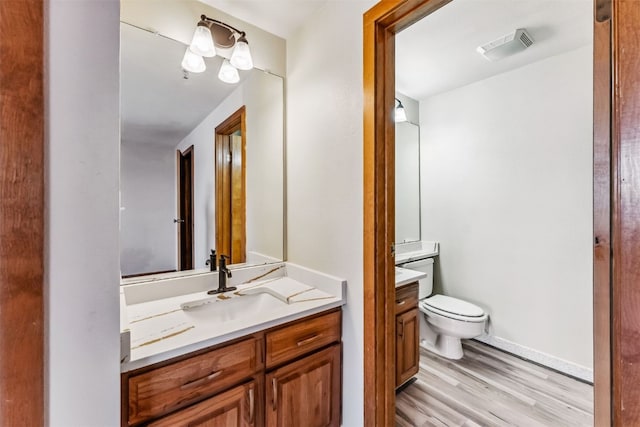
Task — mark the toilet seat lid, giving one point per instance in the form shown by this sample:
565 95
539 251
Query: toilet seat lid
453 306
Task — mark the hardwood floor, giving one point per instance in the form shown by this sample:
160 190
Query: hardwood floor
488 387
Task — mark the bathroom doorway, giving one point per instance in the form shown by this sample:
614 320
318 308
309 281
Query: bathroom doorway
184 221
382 23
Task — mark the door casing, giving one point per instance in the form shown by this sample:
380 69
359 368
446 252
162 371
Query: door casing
230 187
612 31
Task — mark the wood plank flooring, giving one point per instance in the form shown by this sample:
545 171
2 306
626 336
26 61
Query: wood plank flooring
488 387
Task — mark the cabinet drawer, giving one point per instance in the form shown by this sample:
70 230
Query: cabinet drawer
233 408
406 298
300 338
174 386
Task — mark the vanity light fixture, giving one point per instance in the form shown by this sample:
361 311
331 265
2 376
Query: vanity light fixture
241 56
202 42
192 62
400 113
228 73
211 34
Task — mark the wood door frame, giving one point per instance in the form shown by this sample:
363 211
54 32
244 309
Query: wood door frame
380 25
179 156
625 208
235 121
22 215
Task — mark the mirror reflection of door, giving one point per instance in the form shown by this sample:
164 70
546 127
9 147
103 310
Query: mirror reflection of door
230 188
185 209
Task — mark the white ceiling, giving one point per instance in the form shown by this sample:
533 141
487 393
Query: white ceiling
280 17
158 105
438 53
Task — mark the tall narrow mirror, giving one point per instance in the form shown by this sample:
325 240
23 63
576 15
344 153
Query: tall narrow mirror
407 182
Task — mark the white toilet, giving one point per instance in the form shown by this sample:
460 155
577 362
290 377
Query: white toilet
445 320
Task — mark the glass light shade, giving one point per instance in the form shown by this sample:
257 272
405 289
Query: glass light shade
192 62
202 43
228 73
401 115
241 56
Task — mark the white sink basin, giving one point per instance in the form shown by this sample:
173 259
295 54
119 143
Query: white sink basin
233 309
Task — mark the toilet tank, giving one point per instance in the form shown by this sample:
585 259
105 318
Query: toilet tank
425 286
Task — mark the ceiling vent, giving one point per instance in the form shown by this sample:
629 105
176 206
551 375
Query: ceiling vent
512 43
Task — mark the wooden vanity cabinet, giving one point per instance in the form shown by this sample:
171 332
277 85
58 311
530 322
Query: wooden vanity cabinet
306 391
407 333
225 385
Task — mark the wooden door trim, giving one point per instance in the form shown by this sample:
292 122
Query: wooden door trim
22 233
235 121
380 25
625 221
602 99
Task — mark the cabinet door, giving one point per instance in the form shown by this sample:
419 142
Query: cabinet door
234 408
407 350
306 392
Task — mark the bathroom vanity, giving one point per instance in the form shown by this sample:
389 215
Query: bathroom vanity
407 332
407 324
274 354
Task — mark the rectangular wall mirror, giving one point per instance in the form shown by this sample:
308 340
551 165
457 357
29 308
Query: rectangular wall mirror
168 161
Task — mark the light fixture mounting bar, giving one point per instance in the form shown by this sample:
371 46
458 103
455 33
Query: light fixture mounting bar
205 18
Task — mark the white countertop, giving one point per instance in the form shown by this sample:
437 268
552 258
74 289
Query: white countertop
405 276
160 329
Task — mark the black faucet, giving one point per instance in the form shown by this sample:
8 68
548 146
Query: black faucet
223 274
211 262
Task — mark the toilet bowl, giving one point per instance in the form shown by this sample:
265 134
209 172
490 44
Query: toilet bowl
445 320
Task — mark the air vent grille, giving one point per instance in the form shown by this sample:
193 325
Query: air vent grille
507 45
525 39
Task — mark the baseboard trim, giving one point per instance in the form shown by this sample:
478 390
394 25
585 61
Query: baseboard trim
563 366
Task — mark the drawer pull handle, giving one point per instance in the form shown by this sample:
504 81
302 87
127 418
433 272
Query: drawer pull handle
251 405
401 302
202 380
308 340
274 400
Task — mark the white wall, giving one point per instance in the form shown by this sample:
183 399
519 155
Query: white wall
262 95
82 262
264 100
507 191
324 167
148 236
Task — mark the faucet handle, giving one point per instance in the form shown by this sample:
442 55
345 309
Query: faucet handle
212 262
223 261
